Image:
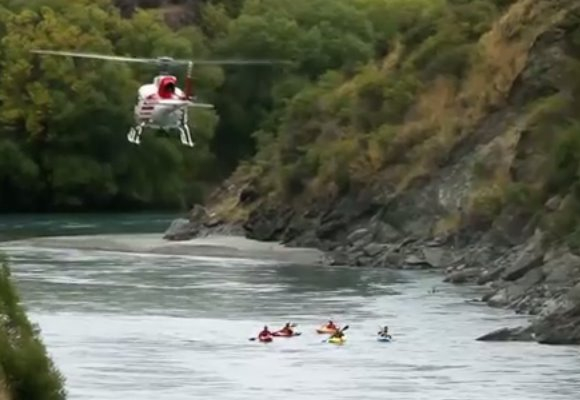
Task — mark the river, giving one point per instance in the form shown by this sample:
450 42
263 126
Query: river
143 326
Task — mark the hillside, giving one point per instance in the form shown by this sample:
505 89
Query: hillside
455 149
405 133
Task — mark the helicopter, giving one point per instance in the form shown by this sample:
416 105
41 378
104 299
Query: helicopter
161 105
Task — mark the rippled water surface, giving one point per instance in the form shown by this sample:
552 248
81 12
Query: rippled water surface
130 326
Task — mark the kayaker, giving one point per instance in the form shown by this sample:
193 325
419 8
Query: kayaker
287 330
331 325
337 334
384 332
265 333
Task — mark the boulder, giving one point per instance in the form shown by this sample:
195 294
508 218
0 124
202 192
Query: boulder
357 236
385 233
181 229
529 258
562 325
520 334
490 275
434 256
375 249
462 276
562 270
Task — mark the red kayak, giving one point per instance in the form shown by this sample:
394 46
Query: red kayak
265 339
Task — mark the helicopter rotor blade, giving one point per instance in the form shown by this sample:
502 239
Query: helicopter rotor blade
237 62
95 56
162 60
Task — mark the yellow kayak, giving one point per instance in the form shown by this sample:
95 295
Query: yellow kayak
336 340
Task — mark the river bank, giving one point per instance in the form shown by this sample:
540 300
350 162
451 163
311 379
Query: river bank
525 275
215 246
155 326
480 181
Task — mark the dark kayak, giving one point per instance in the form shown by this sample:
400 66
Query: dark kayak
284 334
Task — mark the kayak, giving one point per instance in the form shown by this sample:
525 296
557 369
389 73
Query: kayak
336 340
283 334
265 339
324 329
383 339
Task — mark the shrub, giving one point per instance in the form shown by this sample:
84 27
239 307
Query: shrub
565 159
27 371
485 204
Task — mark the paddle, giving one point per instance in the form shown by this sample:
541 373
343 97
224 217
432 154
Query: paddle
341 331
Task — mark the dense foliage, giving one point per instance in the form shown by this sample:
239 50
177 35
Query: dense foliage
341 116
381 89
26 371
63 122
384 92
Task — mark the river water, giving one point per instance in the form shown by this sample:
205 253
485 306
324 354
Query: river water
139 326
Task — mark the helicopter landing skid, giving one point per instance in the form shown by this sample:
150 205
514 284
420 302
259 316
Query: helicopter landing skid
185 136
134 135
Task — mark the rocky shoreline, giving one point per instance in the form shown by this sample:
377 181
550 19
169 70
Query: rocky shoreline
527 277
477 216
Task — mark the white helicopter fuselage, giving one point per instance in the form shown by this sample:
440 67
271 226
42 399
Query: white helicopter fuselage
159 113
161 105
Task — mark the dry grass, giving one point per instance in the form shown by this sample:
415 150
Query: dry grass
503 53
224 202
230 210
392 60
446 225
444 114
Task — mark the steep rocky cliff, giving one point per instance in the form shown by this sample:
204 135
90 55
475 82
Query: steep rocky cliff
480 180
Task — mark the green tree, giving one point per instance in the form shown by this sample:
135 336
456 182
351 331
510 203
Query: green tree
64 120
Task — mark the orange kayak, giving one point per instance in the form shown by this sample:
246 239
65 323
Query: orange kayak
324 329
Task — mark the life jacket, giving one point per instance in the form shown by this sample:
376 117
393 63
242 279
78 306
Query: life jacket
265 333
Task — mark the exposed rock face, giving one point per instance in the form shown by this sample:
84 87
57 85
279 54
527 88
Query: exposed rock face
507 254
508 334
198 224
